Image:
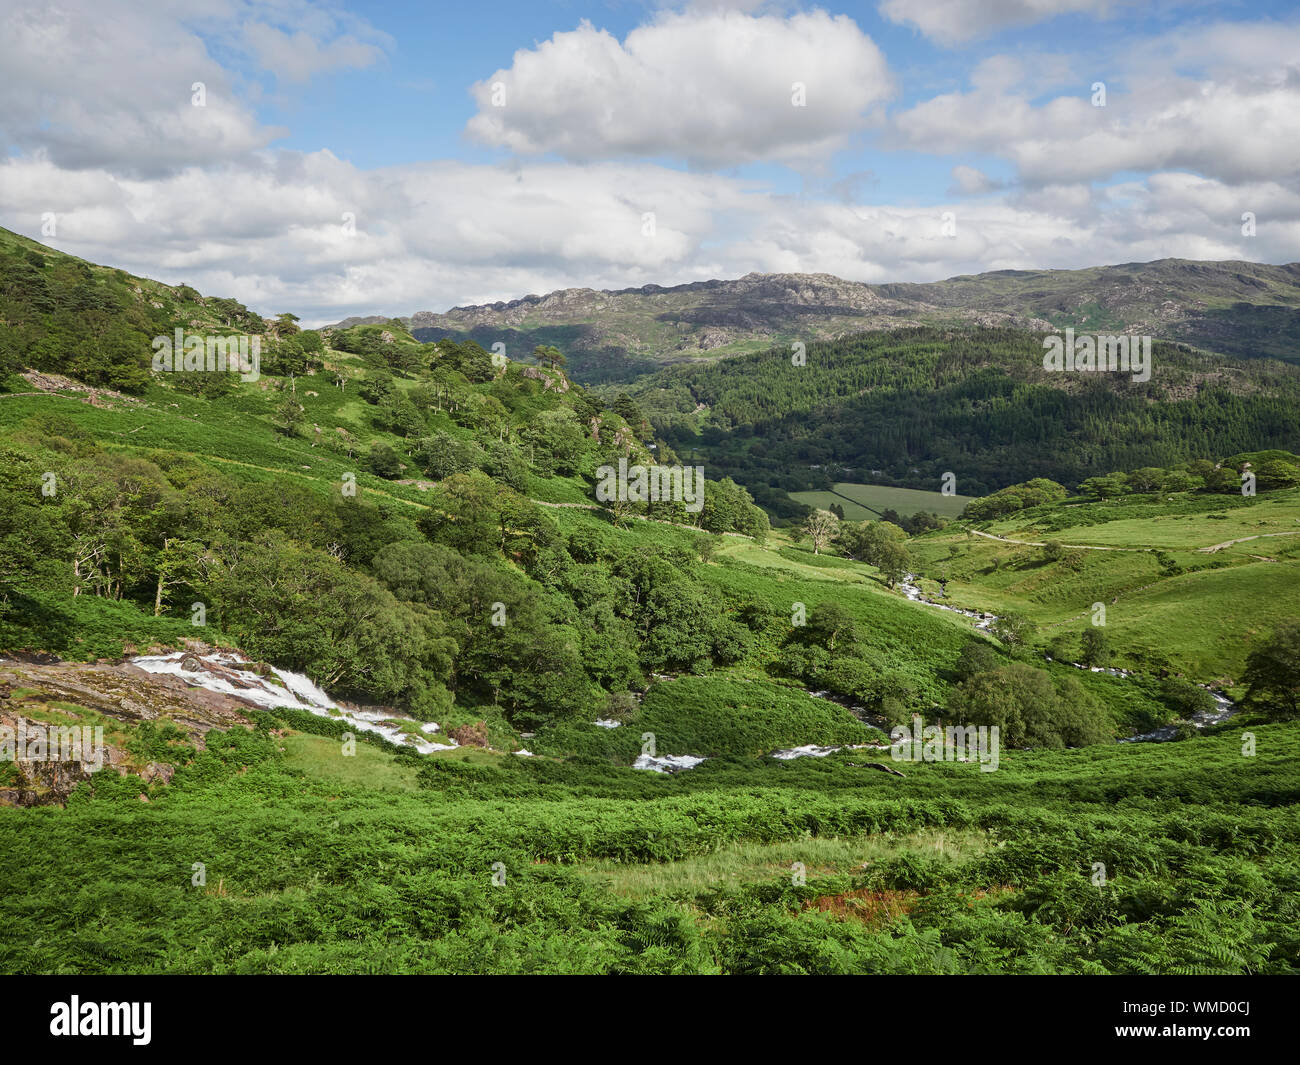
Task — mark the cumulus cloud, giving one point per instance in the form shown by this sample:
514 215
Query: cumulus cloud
298 56
436 235
101 133
111 83
712 87
1241 125
971 181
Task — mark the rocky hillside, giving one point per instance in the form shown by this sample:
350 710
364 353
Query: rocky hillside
1232 308
149 724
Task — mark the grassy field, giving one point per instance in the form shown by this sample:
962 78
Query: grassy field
319 757
1170 601
866 502
736 864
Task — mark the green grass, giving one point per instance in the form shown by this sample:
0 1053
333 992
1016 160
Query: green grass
322 758
719 715
866 502
612 871
1186 524
1169 604
738 864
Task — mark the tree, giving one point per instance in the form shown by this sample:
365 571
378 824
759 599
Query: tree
1273 673
626 409
1027 708
976 657
443 455
285 325
1014 630
1277 474
178 563
821 527
865 540
551 355
1107 487
1147 479
1095 649
1184 698
383 461
829 621
1014 498
289 415
894 562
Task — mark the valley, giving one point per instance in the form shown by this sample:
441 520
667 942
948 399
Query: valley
386 687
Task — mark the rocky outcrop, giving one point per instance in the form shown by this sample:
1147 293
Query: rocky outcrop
551 379
36 697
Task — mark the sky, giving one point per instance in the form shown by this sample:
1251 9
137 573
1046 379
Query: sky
384 158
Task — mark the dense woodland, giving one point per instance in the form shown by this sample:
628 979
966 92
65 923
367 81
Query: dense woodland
905 407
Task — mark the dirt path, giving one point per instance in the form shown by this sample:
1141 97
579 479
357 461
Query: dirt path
1093 547
1242 540
1041 543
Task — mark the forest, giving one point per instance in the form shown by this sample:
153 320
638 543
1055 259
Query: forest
905 407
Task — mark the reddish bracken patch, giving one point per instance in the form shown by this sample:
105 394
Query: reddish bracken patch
878 908
866 905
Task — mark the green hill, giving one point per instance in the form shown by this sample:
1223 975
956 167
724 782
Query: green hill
414 526
907 407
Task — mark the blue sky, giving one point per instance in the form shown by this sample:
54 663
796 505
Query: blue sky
936 139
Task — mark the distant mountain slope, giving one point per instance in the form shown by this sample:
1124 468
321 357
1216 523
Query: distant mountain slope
1233 308
907 406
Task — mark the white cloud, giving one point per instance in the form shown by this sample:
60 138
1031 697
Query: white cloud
710 87
109 83
1241 125
970 181
952 22
97 114
438 235
299 56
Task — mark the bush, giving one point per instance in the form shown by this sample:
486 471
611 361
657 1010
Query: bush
1028 709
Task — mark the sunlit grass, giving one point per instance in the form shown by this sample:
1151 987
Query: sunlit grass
743 863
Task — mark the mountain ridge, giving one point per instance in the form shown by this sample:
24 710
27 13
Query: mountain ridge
1229 307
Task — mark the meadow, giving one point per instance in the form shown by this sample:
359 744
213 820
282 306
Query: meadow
868 502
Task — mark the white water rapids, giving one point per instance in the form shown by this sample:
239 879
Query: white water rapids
230 676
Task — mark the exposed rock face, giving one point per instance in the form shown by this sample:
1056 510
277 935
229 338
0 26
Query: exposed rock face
549 378
1175 299
474 735
50 696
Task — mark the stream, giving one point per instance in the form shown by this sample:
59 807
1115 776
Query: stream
229 674
1224 707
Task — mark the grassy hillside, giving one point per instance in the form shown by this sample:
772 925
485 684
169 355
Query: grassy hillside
1178 593
415 528
532 865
